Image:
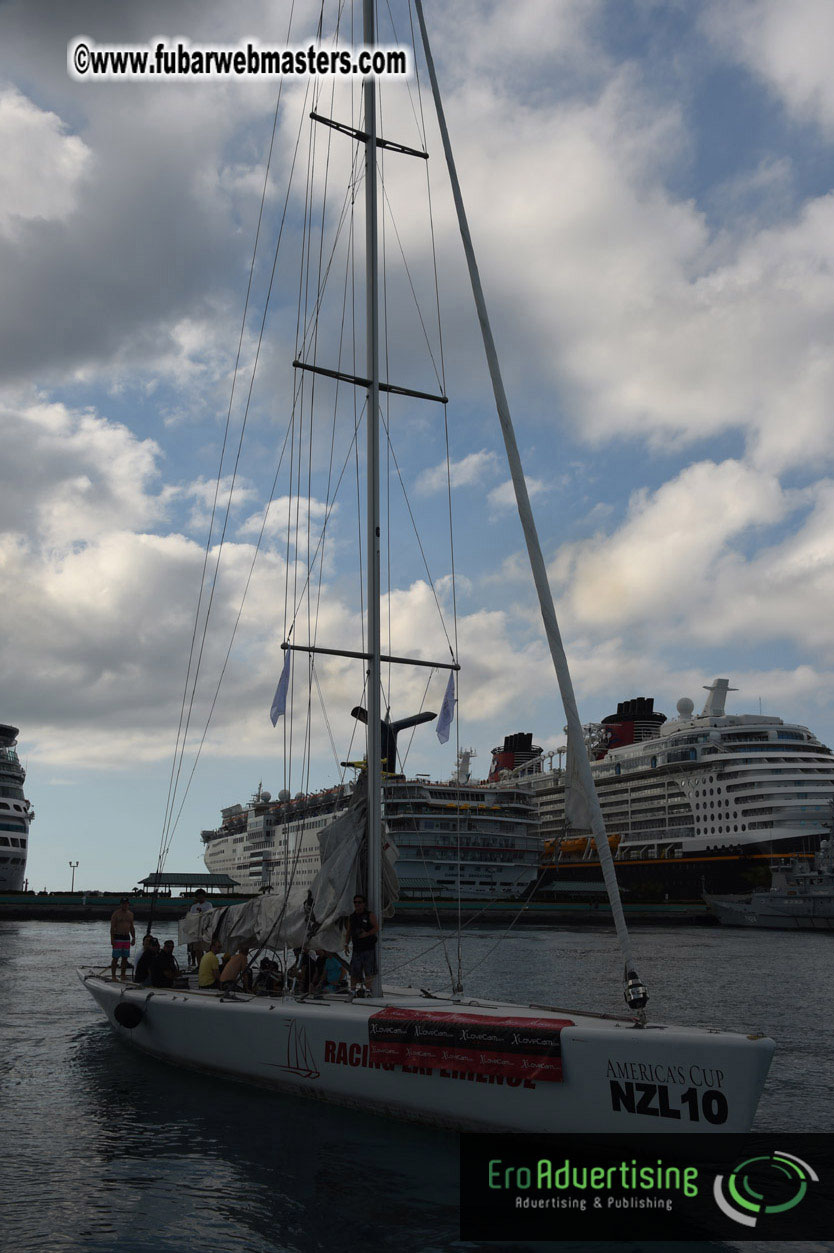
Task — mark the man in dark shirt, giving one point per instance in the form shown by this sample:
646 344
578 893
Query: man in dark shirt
164 967
142 970
361 933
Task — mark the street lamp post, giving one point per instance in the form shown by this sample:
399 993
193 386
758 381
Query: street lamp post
73 865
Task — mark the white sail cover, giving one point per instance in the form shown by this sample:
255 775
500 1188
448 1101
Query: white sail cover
314 916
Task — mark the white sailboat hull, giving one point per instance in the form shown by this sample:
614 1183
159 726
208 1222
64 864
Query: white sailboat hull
615 1076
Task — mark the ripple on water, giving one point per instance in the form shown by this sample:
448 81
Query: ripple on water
113 1150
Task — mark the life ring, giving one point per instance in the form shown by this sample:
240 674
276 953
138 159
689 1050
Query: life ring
128 1015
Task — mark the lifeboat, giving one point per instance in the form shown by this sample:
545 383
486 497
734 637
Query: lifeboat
576 848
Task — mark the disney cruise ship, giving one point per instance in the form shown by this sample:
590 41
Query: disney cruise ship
15 813
705 802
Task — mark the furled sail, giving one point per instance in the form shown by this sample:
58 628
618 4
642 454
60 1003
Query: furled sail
577 810
314 915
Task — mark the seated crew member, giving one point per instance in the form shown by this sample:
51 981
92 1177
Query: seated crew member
164 967
270 980
209 973
142 970
334 978
237 968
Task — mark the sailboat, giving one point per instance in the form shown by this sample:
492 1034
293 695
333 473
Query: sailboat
446 1060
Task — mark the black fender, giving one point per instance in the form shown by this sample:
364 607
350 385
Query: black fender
128 1015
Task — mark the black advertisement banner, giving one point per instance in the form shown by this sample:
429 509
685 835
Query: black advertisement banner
761 1186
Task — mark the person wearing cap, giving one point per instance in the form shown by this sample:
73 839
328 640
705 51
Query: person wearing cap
122 936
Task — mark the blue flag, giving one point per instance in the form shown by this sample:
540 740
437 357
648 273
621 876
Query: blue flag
447 710
279 700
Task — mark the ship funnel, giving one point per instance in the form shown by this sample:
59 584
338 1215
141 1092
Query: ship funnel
714 707
390 731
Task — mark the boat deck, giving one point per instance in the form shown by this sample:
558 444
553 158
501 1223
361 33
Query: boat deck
404 997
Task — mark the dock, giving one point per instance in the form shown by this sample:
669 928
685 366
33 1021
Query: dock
95 907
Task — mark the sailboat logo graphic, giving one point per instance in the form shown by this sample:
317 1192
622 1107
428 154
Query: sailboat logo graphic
300 1060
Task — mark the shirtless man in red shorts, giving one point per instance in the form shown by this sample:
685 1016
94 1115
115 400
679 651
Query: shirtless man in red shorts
122 936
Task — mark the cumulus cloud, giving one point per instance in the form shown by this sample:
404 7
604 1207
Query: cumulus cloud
623 313
209 495
785 46
70 476
471 469
721 556
666 553
619 295
42 167
503 496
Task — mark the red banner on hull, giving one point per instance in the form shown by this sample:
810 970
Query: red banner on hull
515 1048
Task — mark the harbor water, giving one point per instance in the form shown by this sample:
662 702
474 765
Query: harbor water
105 1149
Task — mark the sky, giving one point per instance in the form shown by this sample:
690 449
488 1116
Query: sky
649 186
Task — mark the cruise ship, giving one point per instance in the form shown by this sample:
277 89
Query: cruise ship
705 802
453 839
15 813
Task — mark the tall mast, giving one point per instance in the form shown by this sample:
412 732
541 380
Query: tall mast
373 541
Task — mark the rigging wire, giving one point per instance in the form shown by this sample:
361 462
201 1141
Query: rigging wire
182 734
419 541
244 594
168 834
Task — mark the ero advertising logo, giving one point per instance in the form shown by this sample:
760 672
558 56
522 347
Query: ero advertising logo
769 1184
662 1187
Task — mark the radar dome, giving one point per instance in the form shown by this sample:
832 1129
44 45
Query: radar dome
266 796
685 707
283 795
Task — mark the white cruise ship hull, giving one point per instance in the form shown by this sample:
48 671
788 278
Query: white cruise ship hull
454 841
702 803
15 814
612 1075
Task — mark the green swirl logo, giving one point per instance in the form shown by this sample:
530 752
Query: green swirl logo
771 1184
